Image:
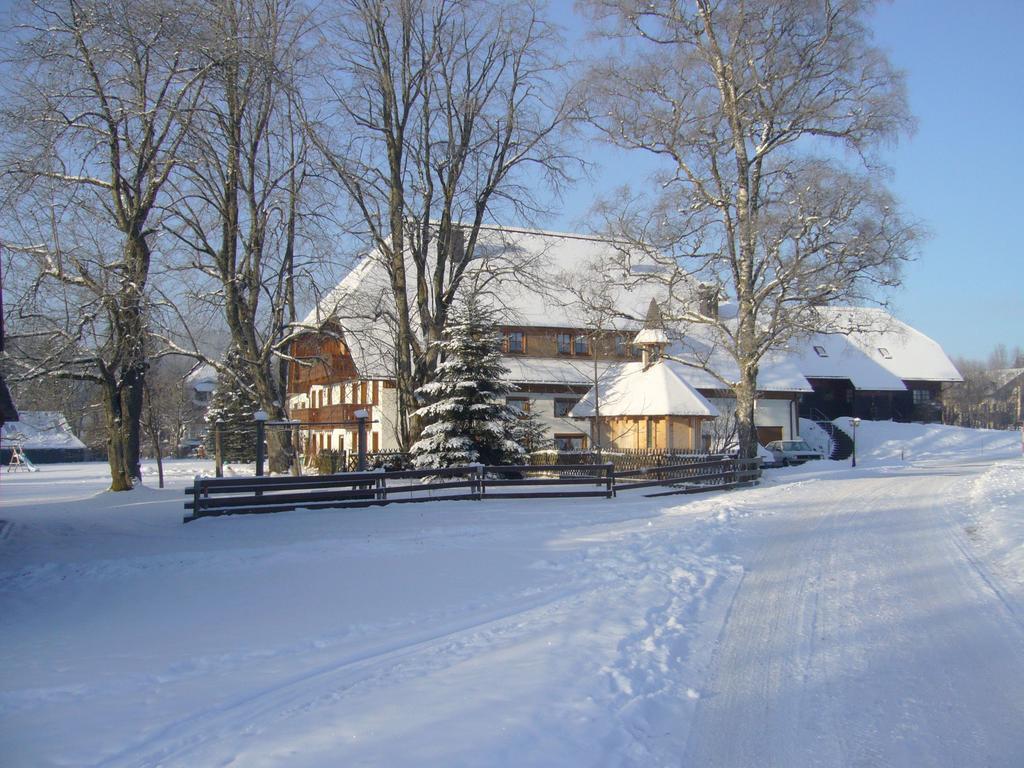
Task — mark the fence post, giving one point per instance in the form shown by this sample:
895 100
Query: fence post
218 450
361 417
610 475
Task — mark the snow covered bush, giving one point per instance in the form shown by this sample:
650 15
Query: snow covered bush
463 411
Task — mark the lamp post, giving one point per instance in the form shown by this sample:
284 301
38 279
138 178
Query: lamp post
854 422
361 417
260 417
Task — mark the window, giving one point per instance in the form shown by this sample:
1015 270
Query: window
514 342
580 345
564 342
621 348
885 353
570 442
820 351
650 434
518 404
563 406
922 396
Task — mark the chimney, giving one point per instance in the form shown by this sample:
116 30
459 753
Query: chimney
458 239
707 300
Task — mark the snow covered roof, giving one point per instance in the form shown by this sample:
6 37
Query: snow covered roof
651 336
659 390
872 349
547 370
778 372
531 278
36 430
203 378
1002 376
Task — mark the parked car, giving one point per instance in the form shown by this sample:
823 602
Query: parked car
787 452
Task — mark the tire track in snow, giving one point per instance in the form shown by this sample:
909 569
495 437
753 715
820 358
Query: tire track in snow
174 743
862 635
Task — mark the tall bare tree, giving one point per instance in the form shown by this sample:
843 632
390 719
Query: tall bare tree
436 112
752 105
243 204
98 99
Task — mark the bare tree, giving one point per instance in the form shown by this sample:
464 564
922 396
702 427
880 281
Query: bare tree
436 111
244 197
751 105
98 98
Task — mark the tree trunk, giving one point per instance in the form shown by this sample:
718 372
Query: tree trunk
132 390
117 443
746 394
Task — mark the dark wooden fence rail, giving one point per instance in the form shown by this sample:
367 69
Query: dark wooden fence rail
212 497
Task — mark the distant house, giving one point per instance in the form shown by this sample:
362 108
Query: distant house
872 366
990 399
44 436
558 355
199 386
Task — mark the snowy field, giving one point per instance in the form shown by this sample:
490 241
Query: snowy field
830 617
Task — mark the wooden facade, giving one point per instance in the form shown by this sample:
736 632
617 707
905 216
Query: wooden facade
660 433
559 342
321 359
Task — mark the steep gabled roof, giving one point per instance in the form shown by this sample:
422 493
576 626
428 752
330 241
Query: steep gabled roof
36 430
533 278
872 349
659 390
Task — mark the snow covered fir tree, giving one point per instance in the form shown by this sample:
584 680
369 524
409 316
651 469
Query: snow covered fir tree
463 409
233 404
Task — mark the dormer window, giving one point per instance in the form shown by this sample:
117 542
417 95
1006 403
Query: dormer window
580 345
564 341
885 353
820 351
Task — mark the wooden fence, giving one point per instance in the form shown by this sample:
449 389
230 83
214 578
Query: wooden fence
213 497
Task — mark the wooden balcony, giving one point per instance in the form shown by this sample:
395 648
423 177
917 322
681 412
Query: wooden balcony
329 413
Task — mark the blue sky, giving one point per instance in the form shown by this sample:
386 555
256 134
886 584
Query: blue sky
960 174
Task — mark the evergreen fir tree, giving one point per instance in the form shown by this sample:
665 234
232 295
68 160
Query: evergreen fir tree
463 408
529 432
234 405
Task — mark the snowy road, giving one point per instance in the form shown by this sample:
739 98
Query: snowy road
830 617
864 633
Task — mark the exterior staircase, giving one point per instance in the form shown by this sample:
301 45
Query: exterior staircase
842 443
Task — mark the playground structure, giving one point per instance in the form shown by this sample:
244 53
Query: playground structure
19 460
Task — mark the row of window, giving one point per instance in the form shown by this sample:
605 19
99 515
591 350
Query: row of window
567 344
562 405
356 392
327 441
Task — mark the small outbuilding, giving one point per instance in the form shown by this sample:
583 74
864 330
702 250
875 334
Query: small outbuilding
648 405
44 436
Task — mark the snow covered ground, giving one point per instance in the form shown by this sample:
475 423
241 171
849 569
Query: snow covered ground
833 616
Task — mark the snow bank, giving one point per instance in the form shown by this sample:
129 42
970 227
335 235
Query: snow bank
887 442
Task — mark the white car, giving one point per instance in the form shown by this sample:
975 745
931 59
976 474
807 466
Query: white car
787 452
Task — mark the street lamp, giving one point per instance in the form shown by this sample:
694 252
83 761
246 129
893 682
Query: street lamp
854 422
